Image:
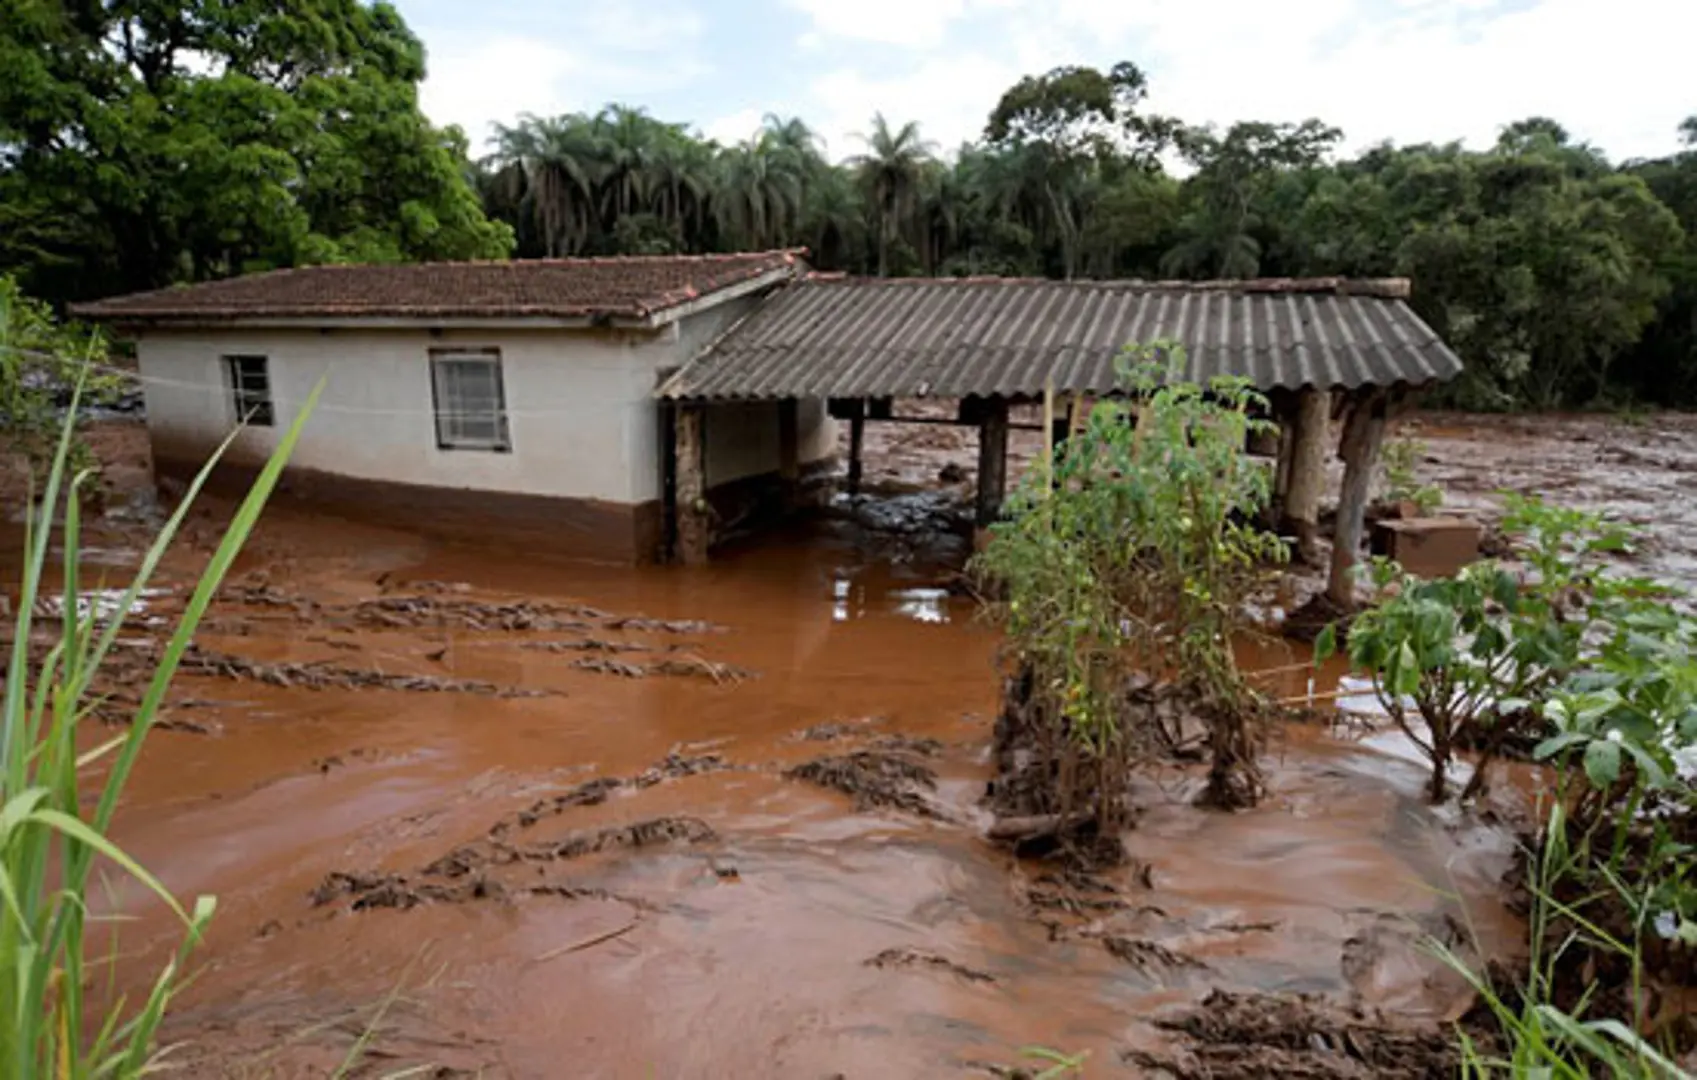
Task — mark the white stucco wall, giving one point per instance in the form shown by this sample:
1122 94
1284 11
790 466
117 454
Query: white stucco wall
581 414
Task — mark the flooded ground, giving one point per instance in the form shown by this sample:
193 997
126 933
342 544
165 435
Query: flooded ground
509 817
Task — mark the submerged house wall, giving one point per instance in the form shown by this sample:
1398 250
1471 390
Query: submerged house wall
582 474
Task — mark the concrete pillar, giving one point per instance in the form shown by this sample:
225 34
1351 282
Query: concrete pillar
1363 433
1308 471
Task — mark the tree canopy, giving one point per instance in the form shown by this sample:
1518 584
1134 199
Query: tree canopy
152 141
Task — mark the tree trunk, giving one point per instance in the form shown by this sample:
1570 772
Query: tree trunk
1363 433
694 525
1307 479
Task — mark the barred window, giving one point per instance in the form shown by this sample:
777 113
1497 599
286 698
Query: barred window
471 405
250 389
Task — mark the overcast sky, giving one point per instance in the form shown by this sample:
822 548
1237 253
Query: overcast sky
1617 73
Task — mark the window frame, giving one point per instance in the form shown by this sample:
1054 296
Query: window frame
446 439
253 407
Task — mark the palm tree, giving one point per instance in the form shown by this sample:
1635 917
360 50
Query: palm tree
550 168
760 194
833 220
626 137
890 173
1215 245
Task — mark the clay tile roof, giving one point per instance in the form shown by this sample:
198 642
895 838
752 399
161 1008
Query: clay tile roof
626 287
830 336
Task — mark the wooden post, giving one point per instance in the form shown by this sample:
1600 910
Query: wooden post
1362 434
1308 471
789 440
694 525
992 460
857 436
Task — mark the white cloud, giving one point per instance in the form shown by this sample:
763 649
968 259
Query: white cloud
1407 70
479 80
733 129
1617 74
462 87
950 97
914 23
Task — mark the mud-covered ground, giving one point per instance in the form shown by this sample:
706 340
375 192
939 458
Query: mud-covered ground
506 816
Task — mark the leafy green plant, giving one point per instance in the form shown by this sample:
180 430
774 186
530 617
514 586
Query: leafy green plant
1398 460
40 359
1127 556
51 843
1467 657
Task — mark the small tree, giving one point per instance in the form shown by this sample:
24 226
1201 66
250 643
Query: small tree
1125 562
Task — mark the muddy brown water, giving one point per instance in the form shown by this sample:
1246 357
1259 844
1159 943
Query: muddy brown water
741 940
744 951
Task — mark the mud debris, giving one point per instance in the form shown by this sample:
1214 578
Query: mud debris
587 644
592 792
643 623
876 780
908 744
325 676
1077 892
475 857
836 729
675 765
398 892
649 833
1146 956
908 957
677 665
424 609
1244 1036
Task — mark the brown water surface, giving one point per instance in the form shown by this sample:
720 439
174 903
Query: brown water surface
745 954
736 940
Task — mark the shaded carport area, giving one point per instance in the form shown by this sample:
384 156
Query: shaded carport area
1335 357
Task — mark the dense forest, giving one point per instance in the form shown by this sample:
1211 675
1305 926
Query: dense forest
153 142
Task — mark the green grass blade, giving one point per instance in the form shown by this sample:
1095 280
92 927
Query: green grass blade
211 579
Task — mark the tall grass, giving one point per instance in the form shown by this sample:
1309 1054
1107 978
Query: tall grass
54 846
1535 1037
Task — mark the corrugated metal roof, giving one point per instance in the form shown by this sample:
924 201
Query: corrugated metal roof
825 337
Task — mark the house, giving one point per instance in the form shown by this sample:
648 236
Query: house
481 399
630 407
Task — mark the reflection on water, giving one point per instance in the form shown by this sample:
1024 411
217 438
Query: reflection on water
921 603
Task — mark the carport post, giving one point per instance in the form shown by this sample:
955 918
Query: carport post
992 460
1362 434
857 436
694 526
1308 470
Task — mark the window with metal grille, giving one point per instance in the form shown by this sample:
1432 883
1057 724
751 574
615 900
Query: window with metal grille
250 389
471 406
